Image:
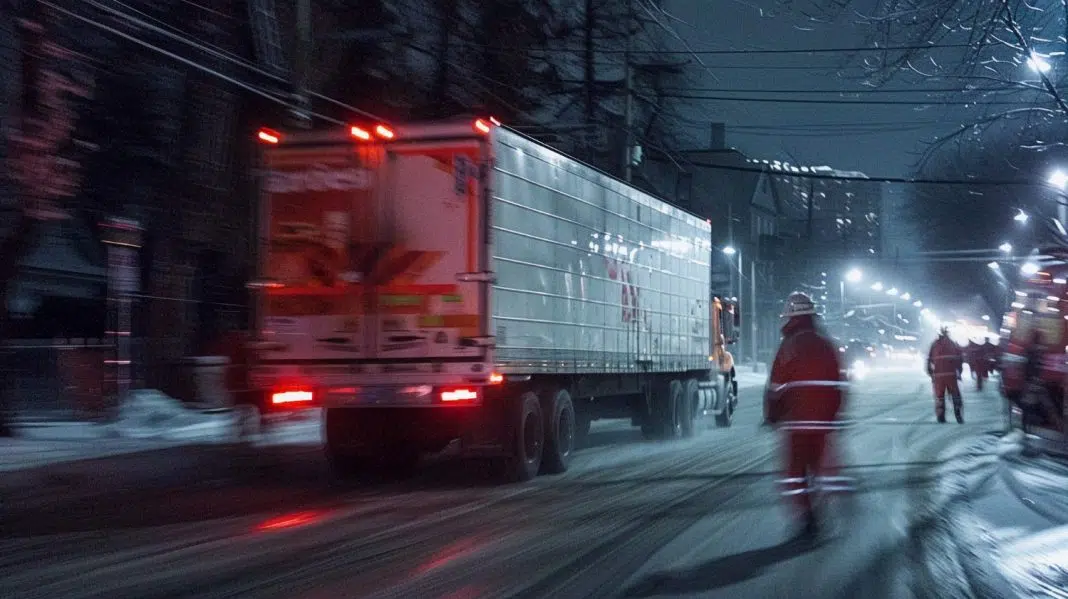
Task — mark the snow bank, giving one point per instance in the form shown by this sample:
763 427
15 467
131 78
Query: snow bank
147 413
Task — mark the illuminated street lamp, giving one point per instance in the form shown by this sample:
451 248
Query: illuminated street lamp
1021 217
854 275
1058 179
993 266
917 303
1038 63
892 291
877 286
1029 268
906 296
986 317
1005 247
729 250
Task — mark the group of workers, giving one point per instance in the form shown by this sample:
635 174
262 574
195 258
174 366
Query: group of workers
807 389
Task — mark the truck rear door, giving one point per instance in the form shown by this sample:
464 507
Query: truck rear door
318 201
429 297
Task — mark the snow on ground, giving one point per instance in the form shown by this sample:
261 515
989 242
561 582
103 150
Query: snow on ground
147 421
1008 518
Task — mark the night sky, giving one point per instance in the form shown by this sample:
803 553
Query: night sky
878 140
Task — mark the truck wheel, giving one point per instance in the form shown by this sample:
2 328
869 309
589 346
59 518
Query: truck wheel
729 401
560 435
527 439
688 407
671 416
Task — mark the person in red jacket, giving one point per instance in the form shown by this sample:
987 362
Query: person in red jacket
806 390
945 362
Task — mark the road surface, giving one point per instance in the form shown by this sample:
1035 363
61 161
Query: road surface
697 518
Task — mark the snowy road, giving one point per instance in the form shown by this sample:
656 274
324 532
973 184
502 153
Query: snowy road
698 518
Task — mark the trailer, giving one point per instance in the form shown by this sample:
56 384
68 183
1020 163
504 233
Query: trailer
460 285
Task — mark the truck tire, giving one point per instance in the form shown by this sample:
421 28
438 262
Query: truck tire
688 407
671 415
560 434
729 400
527 439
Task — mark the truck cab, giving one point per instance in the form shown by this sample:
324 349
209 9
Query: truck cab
726 322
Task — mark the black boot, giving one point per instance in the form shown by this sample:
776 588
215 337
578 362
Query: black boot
810 528
959 413
941 417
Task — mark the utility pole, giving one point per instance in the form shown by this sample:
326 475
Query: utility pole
300 113
753 310
628 114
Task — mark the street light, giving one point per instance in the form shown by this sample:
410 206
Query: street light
854 275
1058 179
891 291
906 296
917 303
1038 63
1005 247
877 286
986 317
1029 268
729 250
993 266
1021 217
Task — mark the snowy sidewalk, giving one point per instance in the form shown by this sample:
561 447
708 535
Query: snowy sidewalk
1008 521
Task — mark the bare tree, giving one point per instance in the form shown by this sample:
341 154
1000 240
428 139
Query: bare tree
38 146
1007 56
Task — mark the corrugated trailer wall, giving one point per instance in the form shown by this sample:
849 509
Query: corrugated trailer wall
592 275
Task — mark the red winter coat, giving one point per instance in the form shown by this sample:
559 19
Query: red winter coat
945 358
806 388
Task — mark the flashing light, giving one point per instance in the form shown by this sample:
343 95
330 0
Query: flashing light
482 126
269 136
384 132
360 133
459 395
292 397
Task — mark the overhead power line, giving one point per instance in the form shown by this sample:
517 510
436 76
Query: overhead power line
743 52
185 61
843 101
869 179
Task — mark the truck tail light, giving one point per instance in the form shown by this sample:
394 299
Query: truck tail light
360 133
459 395
268 136
292 398
482 126
384 132
496 378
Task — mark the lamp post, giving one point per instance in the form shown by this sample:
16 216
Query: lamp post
123 238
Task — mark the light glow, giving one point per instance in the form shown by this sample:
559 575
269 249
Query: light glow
291 397
459 395
268 136
360 133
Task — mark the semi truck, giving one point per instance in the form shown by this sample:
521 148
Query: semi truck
458 285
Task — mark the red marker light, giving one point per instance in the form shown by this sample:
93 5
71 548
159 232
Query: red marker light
292 397
360 133
268 136
482 126
496 378
384 132
459 395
